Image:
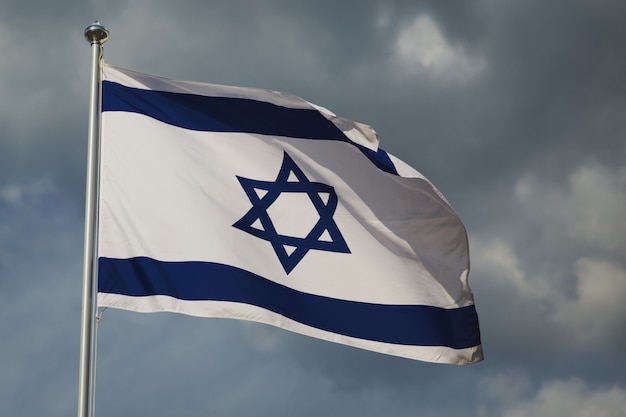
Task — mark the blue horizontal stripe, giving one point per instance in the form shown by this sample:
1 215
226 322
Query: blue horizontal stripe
219 114
229 114
397 324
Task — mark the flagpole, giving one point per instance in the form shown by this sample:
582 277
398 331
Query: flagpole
96 34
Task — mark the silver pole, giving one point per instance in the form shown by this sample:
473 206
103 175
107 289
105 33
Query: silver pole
96 34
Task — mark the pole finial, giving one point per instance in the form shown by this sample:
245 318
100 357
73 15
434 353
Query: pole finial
96 33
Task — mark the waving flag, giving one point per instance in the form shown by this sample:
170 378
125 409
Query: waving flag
241 203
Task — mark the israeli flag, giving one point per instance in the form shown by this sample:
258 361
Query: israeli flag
242 203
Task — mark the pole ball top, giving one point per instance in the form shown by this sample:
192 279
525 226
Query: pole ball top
96 33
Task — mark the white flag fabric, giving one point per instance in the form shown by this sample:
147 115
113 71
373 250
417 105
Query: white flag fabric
242 203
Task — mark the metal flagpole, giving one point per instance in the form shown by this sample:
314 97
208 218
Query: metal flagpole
96 34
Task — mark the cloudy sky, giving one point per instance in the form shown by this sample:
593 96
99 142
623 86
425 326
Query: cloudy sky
515 109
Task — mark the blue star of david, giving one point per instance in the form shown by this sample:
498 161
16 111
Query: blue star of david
291 249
